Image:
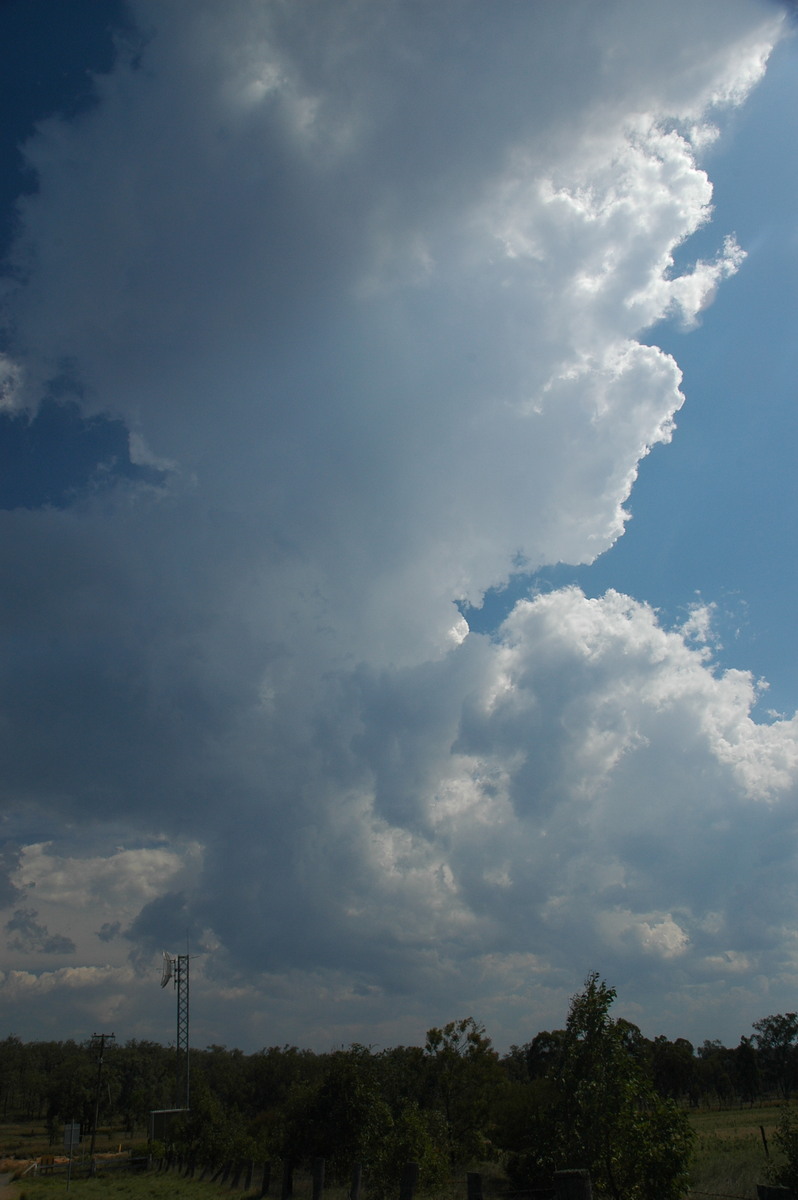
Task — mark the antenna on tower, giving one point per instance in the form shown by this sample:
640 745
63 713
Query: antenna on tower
175 966
166 974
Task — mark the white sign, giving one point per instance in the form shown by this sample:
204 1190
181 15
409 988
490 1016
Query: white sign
71 1136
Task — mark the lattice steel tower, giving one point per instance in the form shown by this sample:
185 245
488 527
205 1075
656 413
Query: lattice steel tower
176 967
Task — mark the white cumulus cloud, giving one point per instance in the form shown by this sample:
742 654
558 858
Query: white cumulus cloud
368 286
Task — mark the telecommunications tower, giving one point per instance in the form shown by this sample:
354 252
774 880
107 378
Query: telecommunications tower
175 967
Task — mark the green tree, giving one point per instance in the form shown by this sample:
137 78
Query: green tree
543 1052
603 1113
776 1037
404 1078
145 1078
274 1072
72 1086
714 1070
746 1071
673 1066
342 1120
209 1133
785 1172
466 1079
414 1135
11 1055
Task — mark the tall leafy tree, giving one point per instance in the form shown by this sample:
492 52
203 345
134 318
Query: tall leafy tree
466 1079
12 1053
342 1119
72 1087
673 1066
543 1052
747 1075
602 1112
776 1038
715 1071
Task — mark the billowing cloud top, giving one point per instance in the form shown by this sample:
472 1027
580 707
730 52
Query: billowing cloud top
366 284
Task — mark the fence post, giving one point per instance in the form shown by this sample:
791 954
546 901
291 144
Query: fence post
287 1188
474 1186
250 1171
266 1179
573 1185
354 1191
318 1178
409 1179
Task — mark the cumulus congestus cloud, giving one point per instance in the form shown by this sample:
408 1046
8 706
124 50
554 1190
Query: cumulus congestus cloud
367 286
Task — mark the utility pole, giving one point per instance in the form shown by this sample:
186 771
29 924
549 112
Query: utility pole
98 1041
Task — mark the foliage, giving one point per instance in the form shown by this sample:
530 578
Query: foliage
211 1133
141 1072
785 1172
465 1080
603 1113
776 1037
673 1067
748 1076
414 1136
343 1119
404 1077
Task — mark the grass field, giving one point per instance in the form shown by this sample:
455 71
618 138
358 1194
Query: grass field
128 1187
30 1140
166 1186
730 1158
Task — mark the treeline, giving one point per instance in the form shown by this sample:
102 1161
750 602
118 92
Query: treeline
452 1101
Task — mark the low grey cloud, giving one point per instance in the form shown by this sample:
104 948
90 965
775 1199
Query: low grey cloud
9 863
28 935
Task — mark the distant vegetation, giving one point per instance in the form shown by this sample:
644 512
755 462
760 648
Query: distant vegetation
595 1094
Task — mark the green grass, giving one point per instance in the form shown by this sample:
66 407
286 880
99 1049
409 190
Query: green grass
171 1186
156 1186
123 1187
26 1139
730 1157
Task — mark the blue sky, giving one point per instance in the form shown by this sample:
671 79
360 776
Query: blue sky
740 372
714 511
319 333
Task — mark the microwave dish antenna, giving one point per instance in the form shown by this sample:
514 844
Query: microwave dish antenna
166 974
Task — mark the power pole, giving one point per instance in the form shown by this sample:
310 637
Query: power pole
98 1041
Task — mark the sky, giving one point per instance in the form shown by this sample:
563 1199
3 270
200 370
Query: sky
397 503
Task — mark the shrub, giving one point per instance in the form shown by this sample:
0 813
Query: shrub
414 1136
785 1173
